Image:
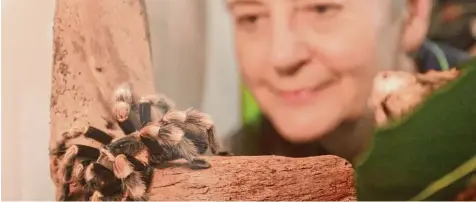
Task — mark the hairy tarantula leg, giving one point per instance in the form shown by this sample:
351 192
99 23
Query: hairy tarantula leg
215 146
67 161
122 111
98 135
204 119
138 165
151 143
136 187
189 152
103 180
145 112
213 141
88 131
200 123
66 169
165 135
74 188
175 116
78 171
71 154
66 183
125 168
88 152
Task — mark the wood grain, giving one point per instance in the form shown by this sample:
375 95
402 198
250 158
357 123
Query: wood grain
254 178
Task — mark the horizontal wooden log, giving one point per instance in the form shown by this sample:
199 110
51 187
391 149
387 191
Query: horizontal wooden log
257 178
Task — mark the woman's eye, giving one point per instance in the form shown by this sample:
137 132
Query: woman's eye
248 19
321 9
249 22
326 10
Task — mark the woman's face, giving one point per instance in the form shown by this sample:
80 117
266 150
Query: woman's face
310 63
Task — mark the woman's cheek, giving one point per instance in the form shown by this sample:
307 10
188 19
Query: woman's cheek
345 51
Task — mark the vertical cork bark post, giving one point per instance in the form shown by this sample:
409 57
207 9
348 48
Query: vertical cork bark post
98 45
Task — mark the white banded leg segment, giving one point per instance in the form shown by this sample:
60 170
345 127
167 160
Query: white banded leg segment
67 160
122 167
170 135
122 114
175 115
97 196
88 173
123 93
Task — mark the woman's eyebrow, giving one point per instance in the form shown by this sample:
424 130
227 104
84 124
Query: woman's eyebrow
232 3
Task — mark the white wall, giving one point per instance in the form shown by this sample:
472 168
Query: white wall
193 57
177 34
26 78
222 91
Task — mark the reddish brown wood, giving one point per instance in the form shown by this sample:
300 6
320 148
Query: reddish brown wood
257 178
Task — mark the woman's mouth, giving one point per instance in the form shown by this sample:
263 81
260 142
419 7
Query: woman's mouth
300 96
296 96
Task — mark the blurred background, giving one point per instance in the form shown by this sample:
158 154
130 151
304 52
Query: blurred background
193 59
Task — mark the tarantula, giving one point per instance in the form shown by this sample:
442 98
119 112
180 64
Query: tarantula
122 169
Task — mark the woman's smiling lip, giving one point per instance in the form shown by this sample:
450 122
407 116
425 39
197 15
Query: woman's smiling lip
299 96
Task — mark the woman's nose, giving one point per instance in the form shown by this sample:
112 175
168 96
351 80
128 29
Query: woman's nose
288 52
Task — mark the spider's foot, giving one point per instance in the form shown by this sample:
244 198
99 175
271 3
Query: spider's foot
197 164
121 111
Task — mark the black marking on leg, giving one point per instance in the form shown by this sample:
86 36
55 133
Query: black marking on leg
67 178
127 126
147 176
98 135
145 112
138 165
152 145
60 151
198 163
87 152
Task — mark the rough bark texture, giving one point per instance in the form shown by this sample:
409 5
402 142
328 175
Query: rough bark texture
98 44
257 178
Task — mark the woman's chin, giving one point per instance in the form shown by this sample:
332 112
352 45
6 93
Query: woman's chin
305 130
